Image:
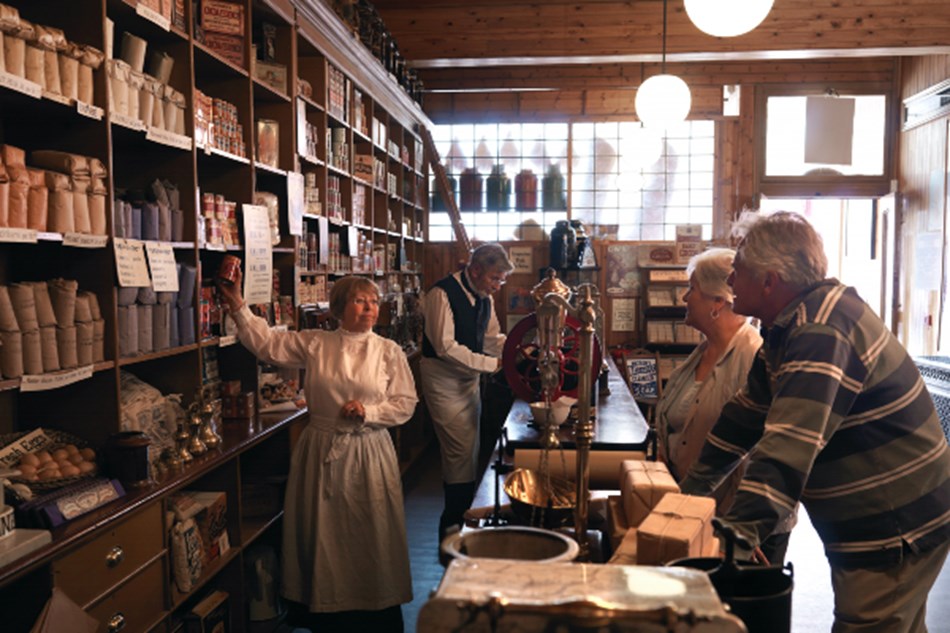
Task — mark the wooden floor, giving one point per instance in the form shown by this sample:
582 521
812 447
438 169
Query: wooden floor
811 597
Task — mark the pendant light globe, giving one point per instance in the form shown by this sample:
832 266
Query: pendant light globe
727 18
662 100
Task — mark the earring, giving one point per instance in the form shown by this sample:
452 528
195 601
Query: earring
714 313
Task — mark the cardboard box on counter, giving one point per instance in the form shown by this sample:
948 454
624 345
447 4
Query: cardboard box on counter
680 526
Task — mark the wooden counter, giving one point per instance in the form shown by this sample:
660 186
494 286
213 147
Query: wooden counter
618 426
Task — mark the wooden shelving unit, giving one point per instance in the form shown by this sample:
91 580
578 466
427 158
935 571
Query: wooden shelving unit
380 231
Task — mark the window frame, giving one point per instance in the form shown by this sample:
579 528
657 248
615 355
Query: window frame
812 185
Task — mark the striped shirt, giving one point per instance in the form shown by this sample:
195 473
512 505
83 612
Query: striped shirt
834 414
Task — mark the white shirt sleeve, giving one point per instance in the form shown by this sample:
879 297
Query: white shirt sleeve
440 330
494 339
400 397
284 349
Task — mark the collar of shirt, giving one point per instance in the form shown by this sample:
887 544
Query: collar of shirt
467 283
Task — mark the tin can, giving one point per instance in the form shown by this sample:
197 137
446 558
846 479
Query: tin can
230 269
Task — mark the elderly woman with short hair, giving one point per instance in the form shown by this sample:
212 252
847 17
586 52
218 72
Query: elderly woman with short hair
345 554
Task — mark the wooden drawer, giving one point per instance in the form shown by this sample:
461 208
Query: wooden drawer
91 570
134 606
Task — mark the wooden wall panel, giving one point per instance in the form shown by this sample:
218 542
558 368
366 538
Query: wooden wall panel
922 169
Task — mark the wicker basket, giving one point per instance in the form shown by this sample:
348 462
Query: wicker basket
59 439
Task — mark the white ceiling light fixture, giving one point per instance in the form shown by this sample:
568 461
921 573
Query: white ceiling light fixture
663 100
727 18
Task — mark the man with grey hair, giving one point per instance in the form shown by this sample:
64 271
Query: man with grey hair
462 340
836 415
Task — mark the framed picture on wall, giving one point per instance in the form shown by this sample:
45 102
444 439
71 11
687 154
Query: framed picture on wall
642 369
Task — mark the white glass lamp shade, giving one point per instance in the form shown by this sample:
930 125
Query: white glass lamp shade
727 18
662 100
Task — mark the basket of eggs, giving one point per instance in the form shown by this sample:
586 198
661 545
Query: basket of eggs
57 462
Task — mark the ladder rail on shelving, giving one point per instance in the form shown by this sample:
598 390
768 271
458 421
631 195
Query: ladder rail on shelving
442 182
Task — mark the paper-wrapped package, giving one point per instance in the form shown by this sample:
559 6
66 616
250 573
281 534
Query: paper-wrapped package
97 207
14 53
150 228
9 18
147 98
83 310
160 66
18 197
81 217
60 218
49 348
32 353
174 110
186 325
625 553
34 64
146 296
24 306
90 60
135 214
8 322
642 486
98 340
133 50
4 195
11 354
97 169
85 337
45 315
93 302
63 162
51 40
37 200
127 296
174 340
118 72
62 293
680 526
12 156
145 328
68 350
68 59
161 317
136 81
128 330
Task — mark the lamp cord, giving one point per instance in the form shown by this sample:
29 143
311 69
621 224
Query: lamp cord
663 62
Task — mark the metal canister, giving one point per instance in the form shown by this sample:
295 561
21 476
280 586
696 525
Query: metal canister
230 269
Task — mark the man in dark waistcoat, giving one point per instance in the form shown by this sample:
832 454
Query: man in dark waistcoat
462 341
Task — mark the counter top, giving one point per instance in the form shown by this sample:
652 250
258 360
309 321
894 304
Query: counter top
618 422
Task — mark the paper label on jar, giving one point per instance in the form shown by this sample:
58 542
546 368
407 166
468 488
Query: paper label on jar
45 382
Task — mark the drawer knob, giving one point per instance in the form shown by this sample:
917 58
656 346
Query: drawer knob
116 622
115 556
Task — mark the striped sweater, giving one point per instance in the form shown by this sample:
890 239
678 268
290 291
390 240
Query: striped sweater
834 414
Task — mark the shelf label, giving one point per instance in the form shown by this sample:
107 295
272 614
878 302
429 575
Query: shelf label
161 263
130 263
126 121
21 85
24 236
258 269
158 135
221 248
153 16
89 110
225 341
81 240
52 96
46 382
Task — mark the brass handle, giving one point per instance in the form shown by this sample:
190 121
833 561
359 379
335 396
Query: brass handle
115 556
116 622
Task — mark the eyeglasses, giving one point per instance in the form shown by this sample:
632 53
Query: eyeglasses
361 301
497 280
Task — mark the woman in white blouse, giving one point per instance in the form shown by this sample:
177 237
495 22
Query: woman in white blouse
697 390
345 554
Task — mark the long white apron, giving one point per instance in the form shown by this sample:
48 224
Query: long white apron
454 401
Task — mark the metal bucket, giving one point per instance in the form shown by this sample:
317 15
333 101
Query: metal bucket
760 596
512 543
